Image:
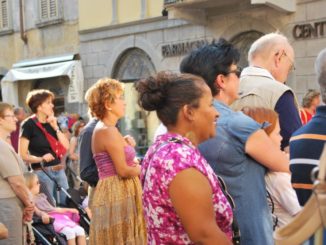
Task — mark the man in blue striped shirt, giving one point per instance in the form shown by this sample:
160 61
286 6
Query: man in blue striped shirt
307 143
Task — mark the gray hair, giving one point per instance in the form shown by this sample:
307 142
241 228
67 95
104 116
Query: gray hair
17 110
320 68
309 97
265 44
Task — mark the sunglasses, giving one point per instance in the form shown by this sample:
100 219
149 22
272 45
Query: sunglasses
237 72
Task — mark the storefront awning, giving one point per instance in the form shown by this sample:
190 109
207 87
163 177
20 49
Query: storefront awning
44 68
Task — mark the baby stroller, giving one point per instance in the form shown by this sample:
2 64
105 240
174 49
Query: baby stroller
72 202
45 233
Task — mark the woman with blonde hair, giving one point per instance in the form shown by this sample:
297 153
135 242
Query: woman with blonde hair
65 219
117 214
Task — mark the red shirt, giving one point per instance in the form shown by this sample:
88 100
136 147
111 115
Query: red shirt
305 116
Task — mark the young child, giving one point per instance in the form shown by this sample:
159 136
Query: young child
278 184
65 218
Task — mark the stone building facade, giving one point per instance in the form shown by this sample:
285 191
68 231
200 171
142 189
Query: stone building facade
132 50
39 49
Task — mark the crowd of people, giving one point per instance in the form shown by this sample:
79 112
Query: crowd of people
231 162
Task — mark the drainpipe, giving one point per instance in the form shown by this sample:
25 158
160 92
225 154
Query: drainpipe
21 19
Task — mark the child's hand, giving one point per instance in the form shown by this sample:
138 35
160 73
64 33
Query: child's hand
45 218
74 211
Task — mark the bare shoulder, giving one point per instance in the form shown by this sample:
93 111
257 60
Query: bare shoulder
109 134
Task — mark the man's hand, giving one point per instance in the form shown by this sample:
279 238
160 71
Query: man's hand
3 231
28 213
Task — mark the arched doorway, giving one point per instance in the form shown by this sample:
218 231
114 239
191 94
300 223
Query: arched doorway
133 65
243 42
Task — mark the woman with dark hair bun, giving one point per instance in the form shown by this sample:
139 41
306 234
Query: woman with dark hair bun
182 197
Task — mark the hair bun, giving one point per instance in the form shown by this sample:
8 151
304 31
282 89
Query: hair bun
153 91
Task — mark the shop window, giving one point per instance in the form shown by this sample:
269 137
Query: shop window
243 42
133 65
50 12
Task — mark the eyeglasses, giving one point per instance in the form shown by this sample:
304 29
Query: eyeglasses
12 116
237 72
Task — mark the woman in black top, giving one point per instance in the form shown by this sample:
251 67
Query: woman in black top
34 147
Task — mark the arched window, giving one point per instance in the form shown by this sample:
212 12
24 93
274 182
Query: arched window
243 42
133 65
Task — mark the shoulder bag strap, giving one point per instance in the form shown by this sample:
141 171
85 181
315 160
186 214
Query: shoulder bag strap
52 140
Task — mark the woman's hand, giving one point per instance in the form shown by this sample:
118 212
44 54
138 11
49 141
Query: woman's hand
48 157
74 156
130 140
52 120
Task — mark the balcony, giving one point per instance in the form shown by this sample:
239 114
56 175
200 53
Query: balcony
187 9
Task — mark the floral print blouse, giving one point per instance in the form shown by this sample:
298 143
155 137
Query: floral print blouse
170 154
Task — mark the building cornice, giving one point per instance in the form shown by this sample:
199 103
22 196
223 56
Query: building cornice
130 28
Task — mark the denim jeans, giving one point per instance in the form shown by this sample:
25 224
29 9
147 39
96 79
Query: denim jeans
61 179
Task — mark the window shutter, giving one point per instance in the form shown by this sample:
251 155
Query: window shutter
49 9
53 8
44 9
4 22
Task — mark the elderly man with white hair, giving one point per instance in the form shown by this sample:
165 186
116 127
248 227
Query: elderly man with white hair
271 58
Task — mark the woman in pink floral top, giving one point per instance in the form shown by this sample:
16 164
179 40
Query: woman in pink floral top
182 198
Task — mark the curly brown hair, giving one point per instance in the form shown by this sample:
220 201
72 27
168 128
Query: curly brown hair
104 90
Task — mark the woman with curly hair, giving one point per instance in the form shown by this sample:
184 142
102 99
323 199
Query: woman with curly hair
117 214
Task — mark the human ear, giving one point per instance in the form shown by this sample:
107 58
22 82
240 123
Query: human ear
188 112
107 106
219 81
277 57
